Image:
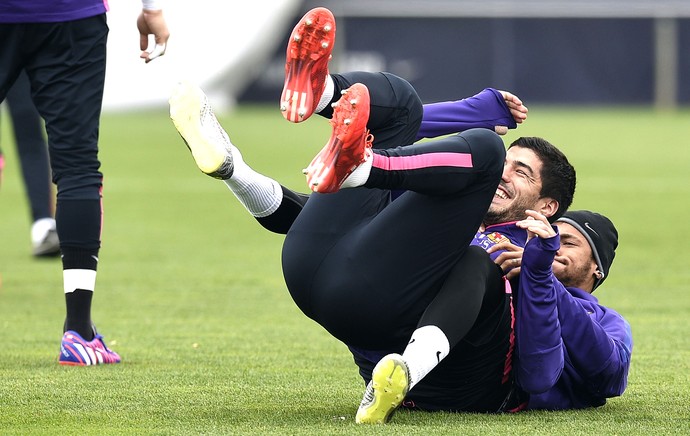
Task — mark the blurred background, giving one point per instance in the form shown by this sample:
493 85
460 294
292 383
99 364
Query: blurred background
589 52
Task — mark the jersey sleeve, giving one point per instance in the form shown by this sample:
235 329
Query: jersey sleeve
537 324
559 331
599 344
486 110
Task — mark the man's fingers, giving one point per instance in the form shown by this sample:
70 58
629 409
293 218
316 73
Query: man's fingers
513 273
158 50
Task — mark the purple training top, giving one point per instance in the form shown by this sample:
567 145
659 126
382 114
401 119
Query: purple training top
49 11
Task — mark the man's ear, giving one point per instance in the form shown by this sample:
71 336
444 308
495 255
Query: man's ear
548 206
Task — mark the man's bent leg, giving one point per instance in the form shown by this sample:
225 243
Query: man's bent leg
389 262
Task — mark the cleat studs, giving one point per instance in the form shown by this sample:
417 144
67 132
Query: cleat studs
305 171
343 92
324 45
297 38
327 28
334 105
353 102
301 113
283 107
347 121
308 22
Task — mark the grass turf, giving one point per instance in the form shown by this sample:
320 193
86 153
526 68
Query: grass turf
190 291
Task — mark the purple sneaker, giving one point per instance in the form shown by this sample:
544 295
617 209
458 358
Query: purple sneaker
74 350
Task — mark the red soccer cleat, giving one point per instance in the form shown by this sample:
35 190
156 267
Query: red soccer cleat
349 145
306 64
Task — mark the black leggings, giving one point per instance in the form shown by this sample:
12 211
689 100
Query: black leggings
468 300
395 116
366 267
65 63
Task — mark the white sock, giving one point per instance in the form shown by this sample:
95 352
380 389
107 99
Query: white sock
260 195
427 347
327 95
74 279
361 174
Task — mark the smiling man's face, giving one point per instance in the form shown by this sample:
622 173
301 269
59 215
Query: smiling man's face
519 189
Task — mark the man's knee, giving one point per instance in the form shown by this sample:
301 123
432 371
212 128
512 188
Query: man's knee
488 150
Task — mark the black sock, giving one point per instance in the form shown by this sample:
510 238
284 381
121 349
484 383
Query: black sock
79 313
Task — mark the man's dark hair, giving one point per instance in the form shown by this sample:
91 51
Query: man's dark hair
557 174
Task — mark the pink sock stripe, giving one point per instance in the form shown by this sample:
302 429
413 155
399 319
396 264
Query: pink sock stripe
429 160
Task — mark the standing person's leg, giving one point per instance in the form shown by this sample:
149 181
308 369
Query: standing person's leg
33 155
67 76
11 63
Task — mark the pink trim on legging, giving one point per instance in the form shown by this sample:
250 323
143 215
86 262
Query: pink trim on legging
428 160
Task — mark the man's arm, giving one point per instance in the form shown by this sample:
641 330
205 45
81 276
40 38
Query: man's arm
559 331
598 340
540 348
490 109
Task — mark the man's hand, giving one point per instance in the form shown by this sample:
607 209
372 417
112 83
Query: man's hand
151 22
517 109
510 260
537 225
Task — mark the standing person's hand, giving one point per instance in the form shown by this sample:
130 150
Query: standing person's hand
151 22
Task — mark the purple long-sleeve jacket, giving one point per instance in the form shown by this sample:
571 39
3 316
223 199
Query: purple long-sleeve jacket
572 352
485 110
49 11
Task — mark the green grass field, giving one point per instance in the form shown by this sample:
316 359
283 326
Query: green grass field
190 291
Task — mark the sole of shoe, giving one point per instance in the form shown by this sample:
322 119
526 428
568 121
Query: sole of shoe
390 383
347 146
189 110
306 64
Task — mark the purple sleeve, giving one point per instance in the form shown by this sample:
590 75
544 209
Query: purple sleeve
599 344
552 323
486 110
537 325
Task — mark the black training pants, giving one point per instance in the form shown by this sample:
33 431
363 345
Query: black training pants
65 63
365 267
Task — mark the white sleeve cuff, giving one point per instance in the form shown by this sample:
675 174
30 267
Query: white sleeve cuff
152 5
